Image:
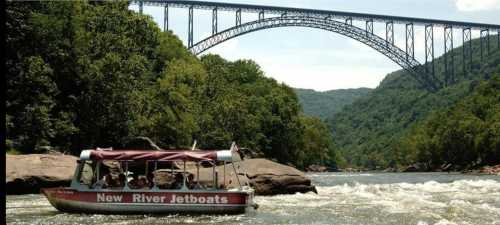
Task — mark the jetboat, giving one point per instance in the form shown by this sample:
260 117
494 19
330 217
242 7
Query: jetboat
187 196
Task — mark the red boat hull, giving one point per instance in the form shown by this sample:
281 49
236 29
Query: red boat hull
148 202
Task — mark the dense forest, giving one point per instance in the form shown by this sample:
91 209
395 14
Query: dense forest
325 104
95 74
463 135
400 123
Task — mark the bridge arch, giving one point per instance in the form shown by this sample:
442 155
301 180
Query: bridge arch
379 44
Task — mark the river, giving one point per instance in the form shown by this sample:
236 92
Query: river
344 199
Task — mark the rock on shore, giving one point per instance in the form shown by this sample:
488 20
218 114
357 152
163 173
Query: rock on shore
486 170
270 178
28 173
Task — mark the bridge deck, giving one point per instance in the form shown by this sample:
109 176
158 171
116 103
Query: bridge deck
314 12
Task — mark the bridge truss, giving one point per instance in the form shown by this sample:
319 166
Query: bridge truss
341 23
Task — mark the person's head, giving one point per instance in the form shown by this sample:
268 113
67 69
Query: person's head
142 180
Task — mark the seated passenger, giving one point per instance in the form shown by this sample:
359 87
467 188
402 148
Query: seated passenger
134 182
102 183
142 183
179 181
190 181
122 179
151 178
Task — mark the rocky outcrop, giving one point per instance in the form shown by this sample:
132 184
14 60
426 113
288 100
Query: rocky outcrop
417 167
486 170
271 178
321 169
317 168
28 173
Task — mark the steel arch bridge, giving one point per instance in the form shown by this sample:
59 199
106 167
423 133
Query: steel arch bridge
341 23
390 50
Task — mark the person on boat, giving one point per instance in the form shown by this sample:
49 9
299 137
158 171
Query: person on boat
179 180
122 179
102 183
151 178
134 183
142 183
190 181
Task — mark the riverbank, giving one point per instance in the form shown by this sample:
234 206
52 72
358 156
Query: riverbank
27 174
482 170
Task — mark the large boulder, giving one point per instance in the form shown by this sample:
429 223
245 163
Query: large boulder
28 173
417 167
271 178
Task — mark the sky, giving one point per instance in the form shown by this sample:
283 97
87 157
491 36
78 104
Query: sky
321 60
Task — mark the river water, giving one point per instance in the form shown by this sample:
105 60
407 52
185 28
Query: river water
350 199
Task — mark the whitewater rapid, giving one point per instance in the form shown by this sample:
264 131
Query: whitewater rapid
350 199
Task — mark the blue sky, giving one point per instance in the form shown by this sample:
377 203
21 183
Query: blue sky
321 60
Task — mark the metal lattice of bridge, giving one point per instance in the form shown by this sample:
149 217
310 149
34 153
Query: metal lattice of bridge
342 23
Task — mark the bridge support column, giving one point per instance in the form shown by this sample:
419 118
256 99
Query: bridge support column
165 18
348 21
484 40
429 50
467 49
448 55
261 15
141 5
498 39
369 27
190 27
389 33
410 41
214 21
238 17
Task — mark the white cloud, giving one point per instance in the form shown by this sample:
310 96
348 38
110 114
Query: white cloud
477 5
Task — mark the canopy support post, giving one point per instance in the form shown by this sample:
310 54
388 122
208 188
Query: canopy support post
184 186
214 176
224 174
126 187
198 174
154 176
237 177
98 171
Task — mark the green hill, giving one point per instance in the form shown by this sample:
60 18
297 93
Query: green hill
327 103
369 131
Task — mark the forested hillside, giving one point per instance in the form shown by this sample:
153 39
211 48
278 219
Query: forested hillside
95 74
370 132
327 103
464 135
